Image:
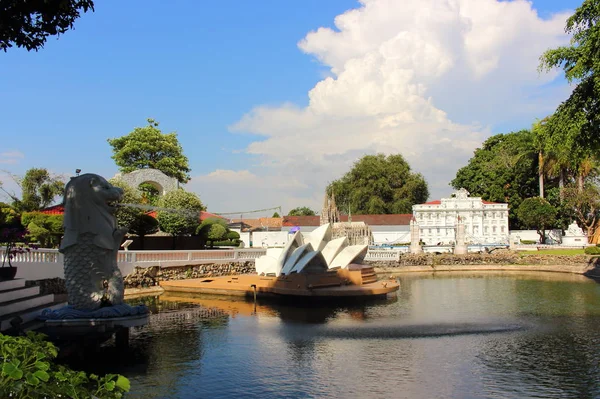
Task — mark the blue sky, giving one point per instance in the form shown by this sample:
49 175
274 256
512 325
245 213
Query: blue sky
232 80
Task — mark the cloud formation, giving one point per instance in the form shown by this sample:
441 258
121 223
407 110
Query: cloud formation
425 78
11 157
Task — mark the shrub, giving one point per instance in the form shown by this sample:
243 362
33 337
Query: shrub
233 235
28 371
592 251
527 242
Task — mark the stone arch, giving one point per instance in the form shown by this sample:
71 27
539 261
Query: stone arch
155 177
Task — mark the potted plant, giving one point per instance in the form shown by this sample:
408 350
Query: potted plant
10 236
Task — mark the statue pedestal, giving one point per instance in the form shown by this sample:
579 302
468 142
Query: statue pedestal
574 236
101 329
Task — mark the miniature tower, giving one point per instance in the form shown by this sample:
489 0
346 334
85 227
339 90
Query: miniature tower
415 238
329 213
461 247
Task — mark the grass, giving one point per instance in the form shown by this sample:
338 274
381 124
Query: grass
571 251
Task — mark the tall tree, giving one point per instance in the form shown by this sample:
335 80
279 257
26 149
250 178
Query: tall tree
39 190
504 169
585 205
537 213
581 64
377 184
301 211
28 23
147 147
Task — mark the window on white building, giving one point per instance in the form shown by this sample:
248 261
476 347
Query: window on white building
494 229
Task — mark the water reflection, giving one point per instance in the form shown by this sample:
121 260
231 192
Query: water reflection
445 335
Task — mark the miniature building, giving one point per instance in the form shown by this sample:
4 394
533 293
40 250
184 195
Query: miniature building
485 222
358 233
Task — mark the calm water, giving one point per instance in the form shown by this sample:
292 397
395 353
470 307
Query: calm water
443 336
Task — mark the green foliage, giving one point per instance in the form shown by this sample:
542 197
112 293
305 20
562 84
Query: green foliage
217 232
302 211
504 169
9 215
592 251
147 147
39 190
28 23
585 204
144 225
213 229
180 214
528 242
28 371
128 215
233 235
276 215
378 184
581 63
537 213
150 194
44 229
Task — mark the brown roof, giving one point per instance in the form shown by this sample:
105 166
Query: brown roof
301 221
272 223
400 219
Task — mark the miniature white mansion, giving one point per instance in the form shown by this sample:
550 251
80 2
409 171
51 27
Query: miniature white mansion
485 222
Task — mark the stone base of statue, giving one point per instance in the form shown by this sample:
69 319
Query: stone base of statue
574 236
68 323
461 247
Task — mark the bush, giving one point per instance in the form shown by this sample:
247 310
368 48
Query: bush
233 235
227 243
592 251
28 371
528 242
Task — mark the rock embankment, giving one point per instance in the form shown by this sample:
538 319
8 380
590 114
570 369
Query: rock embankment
144 277
507 260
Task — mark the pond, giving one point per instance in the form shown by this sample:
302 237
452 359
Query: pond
444 335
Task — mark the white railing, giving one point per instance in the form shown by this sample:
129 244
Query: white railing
376 255
42 255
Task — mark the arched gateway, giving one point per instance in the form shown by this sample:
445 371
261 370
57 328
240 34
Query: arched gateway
155 177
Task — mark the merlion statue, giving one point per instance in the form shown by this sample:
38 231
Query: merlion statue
90 244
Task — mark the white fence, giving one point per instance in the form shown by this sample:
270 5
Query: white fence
48 263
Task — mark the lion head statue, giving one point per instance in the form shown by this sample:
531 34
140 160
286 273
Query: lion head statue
89 203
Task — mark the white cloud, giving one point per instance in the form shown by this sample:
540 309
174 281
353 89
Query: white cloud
425 78
11 157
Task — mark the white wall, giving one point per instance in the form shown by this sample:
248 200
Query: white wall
517 235
270 238
383 237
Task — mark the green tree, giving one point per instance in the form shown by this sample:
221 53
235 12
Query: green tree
585 205
504 169
128 215
581 63
147 147
39 190
302 211
179 213
276 215
9 216
28 23
150 194
42 228
143 226
378 184
212 229
537 213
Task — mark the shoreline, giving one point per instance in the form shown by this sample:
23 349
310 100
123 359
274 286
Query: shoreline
579 269
587 270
